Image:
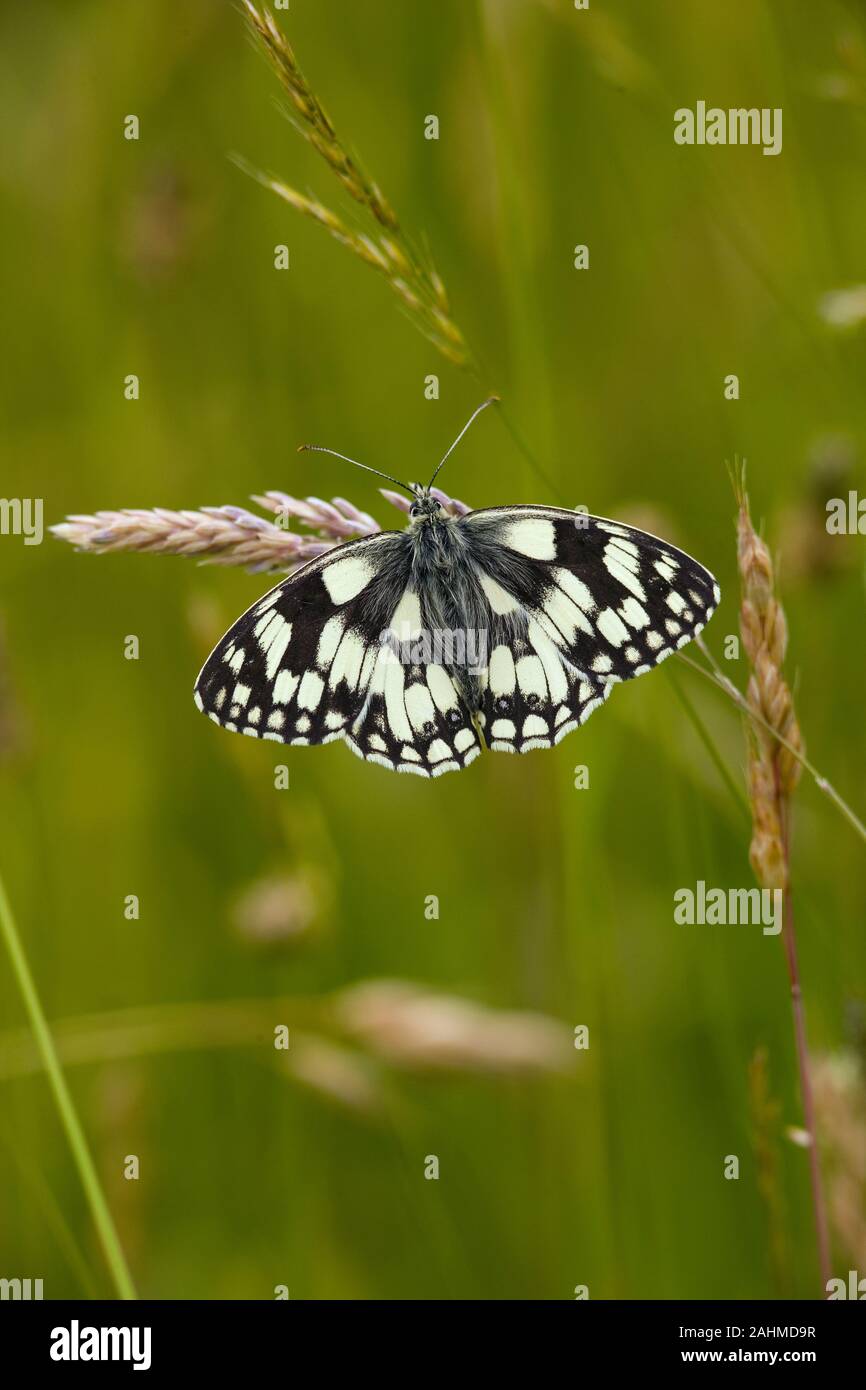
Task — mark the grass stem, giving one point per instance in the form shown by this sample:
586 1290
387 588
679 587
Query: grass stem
819 1208
721 680
69 1119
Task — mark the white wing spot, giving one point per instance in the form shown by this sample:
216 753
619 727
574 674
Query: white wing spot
406 622
310 692
395 704
550 660
419 705
624 575
530 676
329 640
344 579
441 687
532 536
498 598
501 674
612 627
632 613
284 687
273 640
576 590
347 663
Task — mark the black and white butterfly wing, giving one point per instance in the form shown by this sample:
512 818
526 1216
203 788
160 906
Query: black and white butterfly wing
318 659
577 603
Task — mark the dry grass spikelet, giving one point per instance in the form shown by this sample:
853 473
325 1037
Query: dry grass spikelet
773 768
312 121
386 247
233 535
416 1028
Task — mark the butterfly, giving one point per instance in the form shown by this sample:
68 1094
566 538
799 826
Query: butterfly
505 627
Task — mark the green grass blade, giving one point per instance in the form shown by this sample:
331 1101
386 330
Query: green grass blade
69 1119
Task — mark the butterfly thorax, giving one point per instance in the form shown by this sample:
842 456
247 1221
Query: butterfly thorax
437 542
446 580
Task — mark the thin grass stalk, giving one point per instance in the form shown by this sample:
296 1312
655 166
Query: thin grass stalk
387 248
69 1119
773 777
721 681
804 1067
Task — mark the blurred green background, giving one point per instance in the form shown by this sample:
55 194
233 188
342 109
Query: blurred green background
259 906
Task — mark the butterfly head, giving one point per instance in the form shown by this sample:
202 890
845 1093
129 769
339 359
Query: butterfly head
424 506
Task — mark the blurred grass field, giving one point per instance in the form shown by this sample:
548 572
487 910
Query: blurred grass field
155 257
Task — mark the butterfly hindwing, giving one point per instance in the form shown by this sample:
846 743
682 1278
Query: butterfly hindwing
532 695
315 660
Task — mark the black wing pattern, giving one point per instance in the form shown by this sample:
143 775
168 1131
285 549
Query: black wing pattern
318 659
565 606
577 603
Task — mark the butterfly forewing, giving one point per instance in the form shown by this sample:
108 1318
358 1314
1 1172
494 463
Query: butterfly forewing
316 659
577 604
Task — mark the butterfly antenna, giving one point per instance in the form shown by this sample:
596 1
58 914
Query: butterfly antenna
491 400
320 449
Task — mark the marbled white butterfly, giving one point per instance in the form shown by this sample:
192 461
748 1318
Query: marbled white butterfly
506 627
